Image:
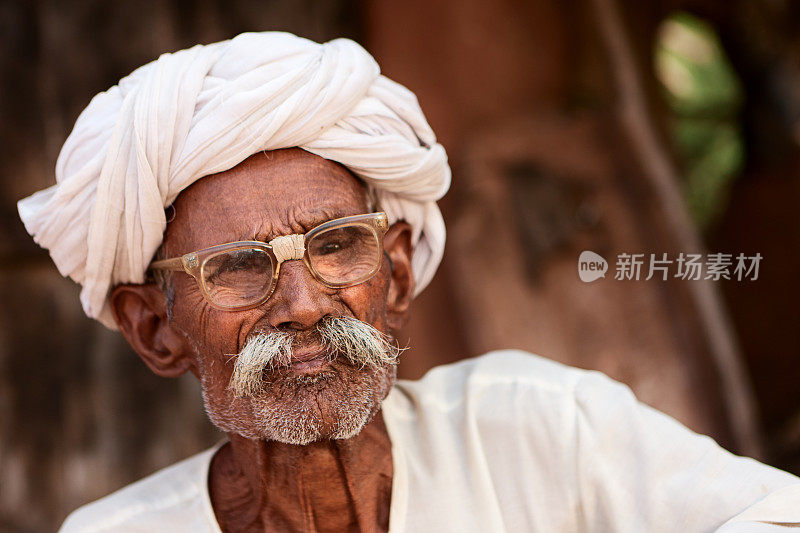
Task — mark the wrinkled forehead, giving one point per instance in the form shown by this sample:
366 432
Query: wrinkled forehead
269 194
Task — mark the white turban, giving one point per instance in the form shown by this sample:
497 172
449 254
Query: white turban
206 109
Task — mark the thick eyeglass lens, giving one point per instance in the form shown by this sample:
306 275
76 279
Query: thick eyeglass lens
238 277
344 255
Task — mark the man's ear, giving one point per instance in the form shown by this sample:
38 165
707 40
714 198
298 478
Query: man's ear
141 314
397 244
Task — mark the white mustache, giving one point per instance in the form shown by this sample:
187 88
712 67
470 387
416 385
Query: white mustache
361 343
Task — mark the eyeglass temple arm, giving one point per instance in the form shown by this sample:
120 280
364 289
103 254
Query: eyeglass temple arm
391 263
176 263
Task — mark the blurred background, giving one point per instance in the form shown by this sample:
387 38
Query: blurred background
605 125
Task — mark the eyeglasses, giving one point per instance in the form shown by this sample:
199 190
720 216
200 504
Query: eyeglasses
242 275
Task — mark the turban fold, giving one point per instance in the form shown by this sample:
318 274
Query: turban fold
204 110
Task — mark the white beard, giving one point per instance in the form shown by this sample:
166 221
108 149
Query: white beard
265 400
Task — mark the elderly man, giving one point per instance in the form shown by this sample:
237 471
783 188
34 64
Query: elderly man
300 188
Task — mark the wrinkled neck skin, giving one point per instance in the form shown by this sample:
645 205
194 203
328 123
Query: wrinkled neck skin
329 485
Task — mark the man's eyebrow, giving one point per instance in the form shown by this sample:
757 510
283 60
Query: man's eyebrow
306 219
314 217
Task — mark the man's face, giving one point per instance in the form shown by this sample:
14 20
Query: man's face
278 193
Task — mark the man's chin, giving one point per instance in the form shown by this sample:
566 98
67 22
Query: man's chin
335 402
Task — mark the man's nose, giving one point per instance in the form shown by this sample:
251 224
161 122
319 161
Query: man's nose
299 301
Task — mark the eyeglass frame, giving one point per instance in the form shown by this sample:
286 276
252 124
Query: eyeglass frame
193 262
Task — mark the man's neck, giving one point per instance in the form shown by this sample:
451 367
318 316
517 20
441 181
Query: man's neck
330 485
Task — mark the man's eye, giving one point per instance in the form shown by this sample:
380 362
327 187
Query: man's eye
241 262
329 248
231 267
335 244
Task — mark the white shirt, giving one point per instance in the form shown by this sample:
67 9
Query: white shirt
514 442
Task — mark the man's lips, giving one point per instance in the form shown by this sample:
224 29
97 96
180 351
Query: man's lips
309 359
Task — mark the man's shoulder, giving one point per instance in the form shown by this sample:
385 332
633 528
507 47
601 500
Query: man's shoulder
163 499
505 413
501 367
493 378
